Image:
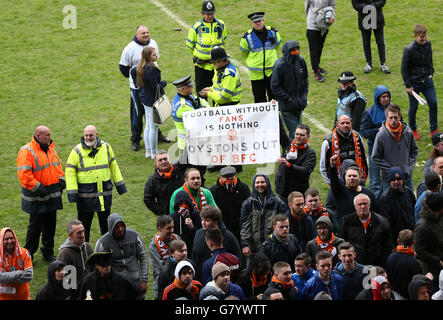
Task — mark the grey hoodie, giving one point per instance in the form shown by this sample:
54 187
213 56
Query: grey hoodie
129 254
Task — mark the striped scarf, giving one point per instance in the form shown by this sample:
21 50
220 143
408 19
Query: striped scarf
293 150
202 199
316 214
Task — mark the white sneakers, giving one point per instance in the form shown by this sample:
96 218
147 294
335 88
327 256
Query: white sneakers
368 68
384 68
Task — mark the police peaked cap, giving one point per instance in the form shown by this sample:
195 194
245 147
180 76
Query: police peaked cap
182 82
346 76
218 53
256 16
208 7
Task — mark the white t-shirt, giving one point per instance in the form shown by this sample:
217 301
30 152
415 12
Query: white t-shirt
131 56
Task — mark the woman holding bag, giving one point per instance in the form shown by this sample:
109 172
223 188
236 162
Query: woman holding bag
150 87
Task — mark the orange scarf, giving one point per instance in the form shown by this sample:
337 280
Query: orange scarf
201 196
165 174
326 245
162 247
336 149
365 223
320 212
293 150
191 288
396 132
286 285
406 249
259 281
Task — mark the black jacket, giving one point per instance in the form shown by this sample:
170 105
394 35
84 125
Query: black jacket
360 4
416 64
372 247
244 279
277 251
295 177
158 191
53 289
230 204
290 80
398 208
180 226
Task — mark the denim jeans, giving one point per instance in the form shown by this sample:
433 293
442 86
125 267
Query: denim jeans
375 183
428 90
150 134
291 120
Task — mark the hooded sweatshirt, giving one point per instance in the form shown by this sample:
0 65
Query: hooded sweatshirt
53 289
257 215
129 254
439 294
416 282
373 117
289 80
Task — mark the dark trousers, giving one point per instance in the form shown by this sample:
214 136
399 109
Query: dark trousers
44 224
428 90
87 217
203 78
261 89
316 42
379 40
137 112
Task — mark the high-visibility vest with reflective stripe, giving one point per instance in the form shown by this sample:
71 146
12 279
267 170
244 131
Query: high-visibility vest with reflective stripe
89 179
182 104
202 37
260 58
34 168
226 86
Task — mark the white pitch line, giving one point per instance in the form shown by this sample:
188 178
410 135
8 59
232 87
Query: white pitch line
237 63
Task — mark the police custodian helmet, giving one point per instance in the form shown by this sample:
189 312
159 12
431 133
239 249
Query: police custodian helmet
208 7
218 53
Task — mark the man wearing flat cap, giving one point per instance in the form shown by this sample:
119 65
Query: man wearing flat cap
259 47
184 101
202 37
226 88
229 193
351 102
104 283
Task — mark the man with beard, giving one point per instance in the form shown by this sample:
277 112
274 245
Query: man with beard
351 102
91 171
160 185
397 203
128 252
296 164
346 142
325 240
40 172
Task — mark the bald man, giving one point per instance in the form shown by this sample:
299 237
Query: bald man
41 175
91 172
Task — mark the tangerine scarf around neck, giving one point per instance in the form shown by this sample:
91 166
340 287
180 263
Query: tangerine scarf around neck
396 132
293 150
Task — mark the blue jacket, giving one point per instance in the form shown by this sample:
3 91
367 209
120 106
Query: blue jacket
373 118
299 282
316 285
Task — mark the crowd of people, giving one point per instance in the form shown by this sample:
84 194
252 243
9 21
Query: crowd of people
380 239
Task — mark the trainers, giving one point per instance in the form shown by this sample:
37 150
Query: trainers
384 68
416 136
368 68
432 133
148 154
319 76
322 71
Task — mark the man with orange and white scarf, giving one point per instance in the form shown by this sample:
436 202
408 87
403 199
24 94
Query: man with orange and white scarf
296 164
184 285
325 240
16 269
395 146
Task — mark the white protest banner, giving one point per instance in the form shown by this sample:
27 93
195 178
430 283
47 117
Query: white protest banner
233 135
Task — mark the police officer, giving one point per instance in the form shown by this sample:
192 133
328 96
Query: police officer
184 101
259 47
91 170
202 37
226 89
